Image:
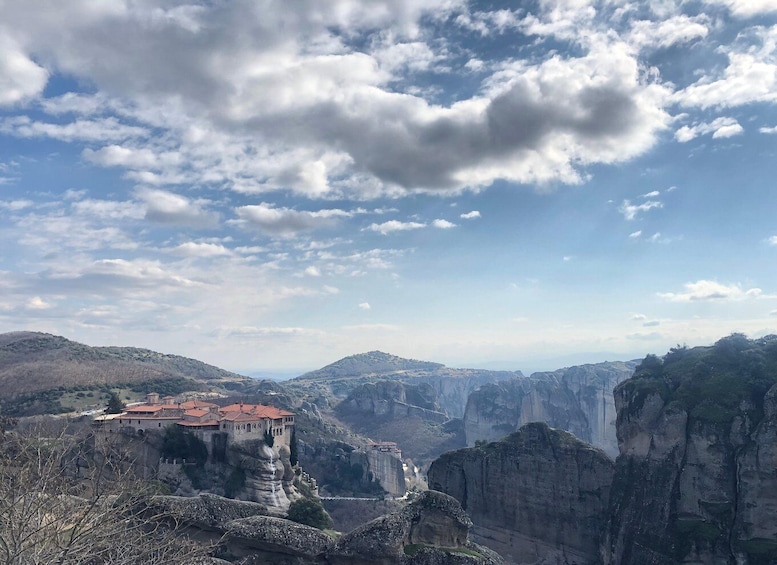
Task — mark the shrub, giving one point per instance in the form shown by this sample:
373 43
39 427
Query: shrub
310 512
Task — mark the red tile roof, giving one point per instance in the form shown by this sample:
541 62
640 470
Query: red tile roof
189 404
144 408
212 423
258 410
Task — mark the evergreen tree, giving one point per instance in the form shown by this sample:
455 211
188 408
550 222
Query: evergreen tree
115 405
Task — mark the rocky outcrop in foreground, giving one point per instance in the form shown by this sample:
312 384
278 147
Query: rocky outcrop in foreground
538 496
577 399
431 530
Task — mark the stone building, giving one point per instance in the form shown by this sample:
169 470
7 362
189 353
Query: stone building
238 422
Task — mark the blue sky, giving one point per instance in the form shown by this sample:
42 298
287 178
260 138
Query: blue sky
276 185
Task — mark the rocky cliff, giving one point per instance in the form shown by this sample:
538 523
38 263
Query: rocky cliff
538 496
577 399
392 399
695 481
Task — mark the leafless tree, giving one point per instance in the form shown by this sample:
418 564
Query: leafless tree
66 501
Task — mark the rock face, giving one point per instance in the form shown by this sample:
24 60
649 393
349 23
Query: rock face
387 469
696 481
538 496
394 399
264 474
276 535
577 399
431 529
206 511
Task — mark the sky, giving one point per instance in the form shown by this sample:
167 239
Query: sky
273 185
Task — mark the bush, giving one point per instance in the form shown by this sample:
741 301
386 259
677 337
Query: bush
310 512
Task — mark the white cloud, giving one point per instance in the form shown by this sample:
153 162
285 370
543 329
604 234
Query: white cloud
707 291
631 211
57 233
768 130
365 306
745 8
652 194
101 130
313 271
655 238
286 221
636 234
720 128
37 303
15 205
750 76
201 250
638 317
470 215
20 77
108 209
394 226
170 208
728 131
772 240
443 224
665 33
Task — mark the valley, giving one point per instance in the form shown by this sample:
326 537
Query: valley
666 460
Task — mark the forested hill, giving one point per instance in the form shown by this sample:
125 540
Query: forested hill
44 373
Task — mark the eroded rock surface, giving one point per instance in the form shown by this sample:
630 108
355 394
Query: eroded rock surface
695 481
206 510
538 496
577 399
276 535
431 529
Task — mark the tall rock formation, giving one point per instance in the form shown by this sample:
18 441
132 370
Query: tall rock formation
264 473
577 399
695 481
538 496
